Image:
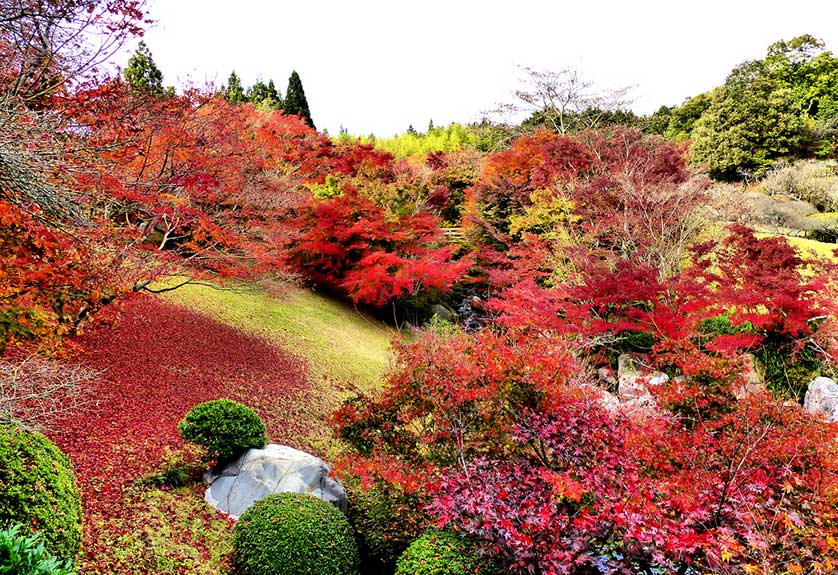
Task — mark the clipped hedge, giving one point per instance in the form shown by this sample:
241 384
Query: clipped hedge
38 490
225 428
22 554
443 553
294 534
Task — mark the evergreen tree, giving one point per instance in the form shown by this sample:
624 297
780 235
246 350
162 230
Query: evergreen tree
257 92
234 91
274 95
142 73
295 99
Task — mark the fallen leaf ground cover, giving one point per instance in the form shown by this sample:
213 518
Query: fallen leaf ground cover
158 360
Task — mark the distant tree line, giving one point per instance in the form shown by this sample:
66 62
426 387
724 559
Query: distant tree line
294 103
143 75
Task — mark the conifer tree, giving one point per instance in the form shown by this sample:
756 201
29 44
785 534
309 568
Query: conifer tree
142 73
295 99
274 95
234 91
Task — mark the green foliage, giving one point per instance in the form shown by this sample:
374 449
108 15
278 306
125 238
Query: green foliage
329 189
683 118
752 121
787 373
142 73
38 489
443 553
234 92
264 95
785 105
225 428
19 324
453 138
294 534
295 99
386 520
26 555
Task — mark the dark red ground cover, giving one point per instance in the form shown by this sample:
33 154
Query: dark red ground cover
158 361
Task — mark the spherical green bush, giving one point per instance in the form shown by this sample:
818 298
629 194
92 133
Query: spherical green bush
294 534
443 553
38 490
225 428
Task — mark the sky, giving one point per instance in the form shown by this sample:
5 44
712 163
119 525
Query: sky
373 66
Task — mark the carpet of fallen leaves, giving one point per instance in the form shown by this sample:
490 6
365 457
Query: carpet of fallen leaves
159 360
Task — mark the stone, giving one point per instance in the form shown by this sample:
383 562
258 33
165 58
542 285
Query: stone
443 313
632 384
822 399
606 375
751 380
274 469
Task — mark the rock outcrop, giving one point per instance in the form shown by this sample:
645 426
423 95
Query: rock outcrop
274 469
822 399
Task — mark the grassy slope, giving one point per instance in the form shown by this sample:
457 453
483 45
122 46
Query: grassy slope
340 344
172 531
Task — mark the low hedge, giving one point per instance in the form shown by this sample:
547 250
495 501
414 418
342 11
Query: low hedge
38 490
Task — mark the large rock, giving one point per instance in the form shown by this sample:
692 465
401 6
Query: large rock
274 469
822 399
632 383
750 380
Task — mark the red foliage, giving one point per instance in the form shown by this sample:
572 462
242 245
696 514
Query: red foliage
348 242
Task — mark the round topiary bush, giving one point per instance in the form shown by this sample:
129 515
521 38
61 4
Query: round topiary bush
443 553
38 490
225 428
294 534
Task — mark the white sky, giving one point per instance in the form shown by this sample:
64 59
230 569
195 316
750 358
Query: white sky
377 66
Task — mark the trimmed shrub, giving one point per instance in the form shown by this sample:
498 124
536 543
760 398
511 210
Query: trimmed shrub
38 490
386 522
26 555
225 428
443 553
813 181
294 534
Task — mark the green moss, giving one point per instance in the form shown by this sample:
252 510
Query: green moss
38 490
225 428
165 531
294 534
443 553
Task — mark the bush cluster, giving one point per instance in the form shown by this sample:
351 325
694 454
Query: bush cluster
294 534
38 489
443 553
225 428
386 521
26 555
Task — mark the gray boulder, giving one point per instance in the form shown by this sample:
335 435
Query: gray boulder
822 399
274 469
632 383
